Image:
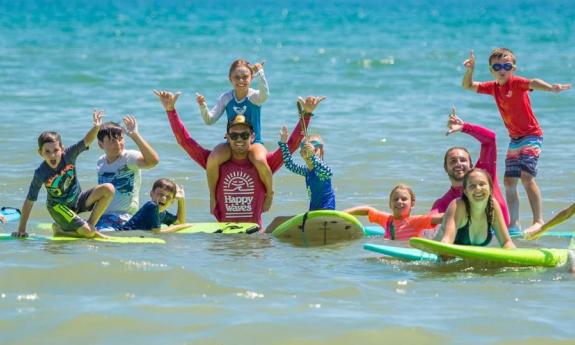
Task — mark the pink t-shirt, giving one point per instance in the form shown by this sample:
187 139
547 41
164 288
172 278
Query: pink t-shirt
405 228
512 99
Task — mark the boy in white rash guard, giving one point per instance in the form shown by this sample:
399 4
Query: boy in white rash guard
121 168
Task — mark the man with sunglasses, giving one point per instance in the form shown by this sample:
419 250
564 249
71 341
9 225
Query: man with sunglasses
240 193
511 95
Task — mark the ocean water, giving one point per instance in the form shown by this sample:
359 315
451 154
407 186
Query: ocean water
391 70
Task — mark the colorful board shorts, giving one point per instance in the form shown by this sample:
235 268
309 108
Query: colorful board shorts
523 155
67 218
111 222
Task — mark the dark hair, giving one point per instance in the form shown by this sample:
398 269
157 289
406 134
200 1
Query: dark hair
456 148
239 63
111 130
166 184
499 53
49 137
489 208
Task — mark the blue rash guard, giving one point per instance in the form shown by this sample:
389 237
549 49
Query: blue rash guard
317 180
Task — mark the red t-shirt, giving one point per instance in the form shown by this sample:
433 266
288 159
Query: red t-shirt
512 99
405 228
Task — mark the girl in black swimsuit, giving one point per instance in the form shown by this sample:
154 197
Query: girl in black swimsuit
474 218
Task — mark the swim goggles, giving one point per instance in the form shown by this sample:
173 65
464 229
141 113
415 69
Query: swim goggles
498 66
316 144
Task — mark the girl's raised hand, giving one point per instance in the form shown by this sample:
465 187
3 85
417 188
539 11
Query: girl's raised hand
131 124
310 102
470 62
284 135
200 99
257 67
97 116
168 99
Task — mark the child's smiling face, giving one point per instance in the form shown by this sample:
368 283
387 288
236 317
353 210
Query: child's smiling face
401 203
162 197
52 153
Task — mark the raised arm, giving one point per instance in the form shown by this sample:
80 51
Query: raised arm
468 83
96 123
275 159
149 157
194 150
212 116
263 89
488 155
181 198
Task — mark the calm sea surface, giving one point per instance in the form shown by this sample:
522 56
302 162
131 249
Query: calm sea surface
391 71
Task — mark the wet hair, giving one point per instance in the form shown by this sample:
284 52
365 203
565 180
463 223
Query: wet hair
489 209
166 184
237 64
404 187
456 148
49 137
499 53
111 130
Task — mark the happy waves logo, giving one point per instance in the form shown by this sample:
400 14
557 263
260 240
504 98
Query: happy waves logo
238 194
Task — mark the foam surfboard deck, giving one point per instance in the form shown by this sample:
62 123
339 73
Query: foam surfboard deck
10 213
317 228
208 227
220 228
148 240
401 253
509 257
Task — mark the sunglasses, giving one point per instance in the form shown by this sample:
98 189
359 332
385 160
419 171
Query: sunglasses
242 135
498 66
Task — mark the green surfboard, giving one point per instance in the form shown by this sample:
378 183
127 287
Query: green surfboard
508 257
318 228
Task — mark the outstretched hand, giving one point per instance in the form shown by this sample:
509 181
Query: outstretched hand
97 116
470 62
454 123
310 102
167 98
560 87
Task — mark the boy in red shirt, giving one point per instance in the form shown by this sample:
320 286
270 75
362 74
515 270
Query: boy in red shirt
512 98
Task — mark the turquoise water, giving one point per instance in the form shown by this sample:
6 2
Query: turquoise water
391 72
